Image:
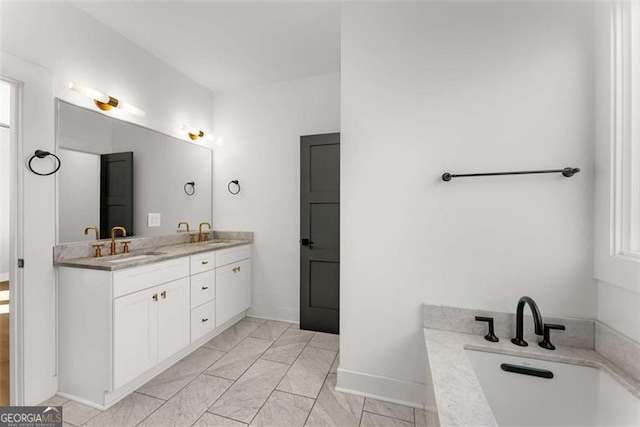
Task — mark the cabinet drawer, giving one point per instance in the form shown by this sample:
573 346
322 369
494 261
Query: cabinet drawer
228 256
137 278
203 288
203 262
203 320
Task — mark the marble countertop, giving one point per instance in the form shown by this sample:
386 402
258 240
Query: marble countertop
458 395
149 255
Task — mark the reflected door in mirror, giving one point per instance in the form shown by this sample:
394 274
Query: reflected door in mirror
116 192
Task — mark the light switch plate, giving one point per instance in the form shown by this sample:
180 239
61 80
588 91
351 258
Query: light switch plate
153 220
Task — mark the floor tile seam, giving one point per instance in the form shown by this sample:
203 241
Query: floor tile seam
168 400
234 381
274 340
249 367
90 418
413 410
316 400
243 372
217 415
387 416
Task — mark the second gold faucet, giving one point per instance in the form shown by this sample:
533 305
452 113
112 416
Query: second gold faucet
113 238
201 236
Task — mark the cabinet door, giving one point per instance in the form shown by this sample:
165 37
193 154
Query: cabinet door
233 290
135 335
174 317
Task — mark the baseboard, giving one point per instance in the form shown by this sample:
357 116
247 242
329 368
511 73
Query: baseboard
382 388
274 313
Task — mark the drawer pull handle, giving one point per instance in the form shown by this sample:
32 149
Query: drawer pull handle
204 262
155 297
236 269
205 320
204 288
164 294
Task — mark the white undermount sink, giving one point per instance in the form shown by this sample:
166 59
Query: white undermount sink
128 258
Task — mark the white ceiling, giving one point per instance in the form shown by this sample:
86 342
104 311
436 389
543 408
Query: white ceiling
226 46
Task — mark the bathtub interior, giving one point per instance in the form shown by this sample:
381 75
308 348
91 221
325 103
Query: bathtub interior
576 395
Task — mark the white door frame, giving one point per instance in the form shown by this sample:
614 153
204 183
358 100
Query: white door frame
16 275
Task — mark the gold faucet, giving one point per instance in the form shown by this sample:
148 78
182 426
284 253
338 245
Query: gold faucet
94 228
183 223
203 237
113 238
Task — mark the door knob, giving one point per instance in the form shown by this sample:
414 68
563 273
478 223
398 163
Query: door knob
306 242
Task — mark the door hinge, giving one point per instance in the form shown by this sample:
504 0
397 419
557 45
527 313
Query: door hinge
20 263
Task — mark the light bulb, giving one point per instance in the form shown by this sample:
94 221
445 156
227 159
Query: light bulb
131 109
88 92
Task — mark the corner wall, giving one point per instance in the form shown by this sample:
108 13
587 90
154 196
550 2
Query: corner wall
459 87
261 129
44 45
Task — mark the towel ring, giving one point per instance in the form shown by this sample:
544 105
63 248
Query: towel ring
40 154
190 188
237 183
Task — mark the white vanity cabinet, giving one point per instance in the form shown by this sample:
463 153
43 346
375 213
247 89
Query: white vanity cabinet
149 326
233 289
118 329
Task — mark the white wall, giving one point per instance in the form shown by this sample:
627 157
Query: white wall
618 278
76 47
38 276
66 44
261 129
459 87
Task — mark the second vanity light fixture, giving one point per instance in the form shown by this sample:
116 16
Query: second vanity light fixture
196 133
105 102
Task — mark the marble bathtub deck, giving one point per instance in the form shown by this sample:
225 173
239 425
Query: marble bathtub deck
456 392
257 372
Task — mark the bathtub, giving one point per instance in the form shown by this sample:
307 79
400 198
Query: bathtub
575 395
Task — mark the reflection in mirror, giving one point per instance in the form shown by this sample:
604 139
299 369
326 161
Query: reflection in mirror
162 165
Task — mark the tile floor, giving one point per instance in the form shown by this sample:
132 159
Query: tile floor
257 372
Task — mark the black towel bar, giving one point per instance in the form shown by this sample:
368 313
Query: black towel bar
568 172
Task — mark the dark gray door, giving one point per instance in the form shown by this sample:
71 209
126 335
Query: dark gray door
116 192
320 233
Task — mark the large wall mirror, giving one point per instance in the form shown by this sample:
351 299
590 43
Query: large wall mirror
137 170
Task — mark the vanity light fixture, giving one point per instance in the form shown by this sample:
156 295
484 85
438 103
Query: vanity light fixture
105 102
195 133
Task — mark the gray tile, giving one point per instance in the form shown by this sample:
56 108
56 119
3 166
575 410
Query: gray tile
284 409
271 330
426 418
169 382
326 341
336 363
212 420
77 414
289 346
233 335
254 319
334 408
54 401
128 412
233 364
388 409
374 420
190 403
308 373
244 399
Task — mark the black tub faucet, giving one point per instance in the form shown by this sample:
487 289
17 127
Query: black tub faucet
537 320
